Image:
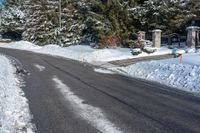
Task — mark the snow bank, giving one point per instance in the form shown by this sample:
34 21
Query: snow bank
184 76
104 71
190 59
14 110
82 52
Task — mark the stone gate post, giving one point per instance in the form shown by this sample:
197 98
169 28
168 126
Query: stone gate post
142 34
157 38
193 36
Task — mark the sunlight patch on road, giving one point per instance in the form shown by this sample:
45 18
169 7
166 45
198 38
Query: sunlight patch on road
92 115
39 67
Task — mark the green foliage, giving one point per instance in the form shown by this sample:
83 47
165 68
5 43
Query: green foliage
91 20
136 51
111 18
129 43
167 15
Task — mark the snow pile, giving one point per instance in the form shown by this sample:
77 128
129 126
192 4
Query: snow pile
189 59
23 45
14 110
82 52
78 52
104 71
184 76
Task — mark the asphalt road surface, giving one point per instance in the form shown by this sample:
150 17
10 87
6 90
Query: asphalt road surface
67 96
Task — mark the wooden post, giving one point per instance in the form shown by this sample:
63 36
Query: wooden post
181 59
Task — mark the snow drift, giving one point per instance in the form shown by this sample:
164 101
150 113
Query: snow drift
14 110
184 76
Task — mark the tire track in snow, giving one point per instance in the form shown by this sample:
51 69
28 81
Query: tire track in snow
92 115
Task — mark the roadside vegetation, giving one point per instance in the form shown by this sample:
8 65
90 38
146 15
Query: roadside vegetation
105 23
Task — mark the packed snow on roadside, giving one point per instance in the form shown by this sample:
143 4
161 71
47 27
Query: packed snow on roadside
14 110
82 52
104 71
184 76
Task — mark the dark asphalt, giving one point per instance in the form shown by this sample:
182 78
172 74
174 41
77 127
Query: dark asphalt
133 105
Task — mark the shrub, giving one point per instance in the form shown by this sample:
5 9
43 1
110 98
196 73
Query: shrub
136 51
148 50
129 43
109 42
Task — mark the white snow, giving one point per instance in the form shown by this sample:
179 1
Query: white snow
184 76
188 59
93 115
39 67
15 116
105 71
82 52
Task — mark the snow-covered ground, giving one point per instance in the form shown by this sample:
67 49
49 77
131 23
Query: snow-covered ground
14 110
82 52
105 71
184 76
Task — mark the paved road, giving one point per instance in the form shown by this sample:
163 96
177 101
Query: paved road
69 97
127 62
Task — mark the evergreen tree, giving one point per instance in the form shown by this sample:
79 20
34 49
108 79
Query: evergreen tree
41 22
111 18
12 17
92 20
166 15
43 26
193 7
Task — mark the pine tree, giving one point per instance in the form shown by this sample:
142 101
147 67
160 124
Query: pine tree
12 17
111 18
166 15
41 22
73 22
193 7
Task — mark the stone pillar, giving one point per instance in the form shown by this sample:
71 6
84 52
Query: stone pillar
193 36
142 34
157 38
197 45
